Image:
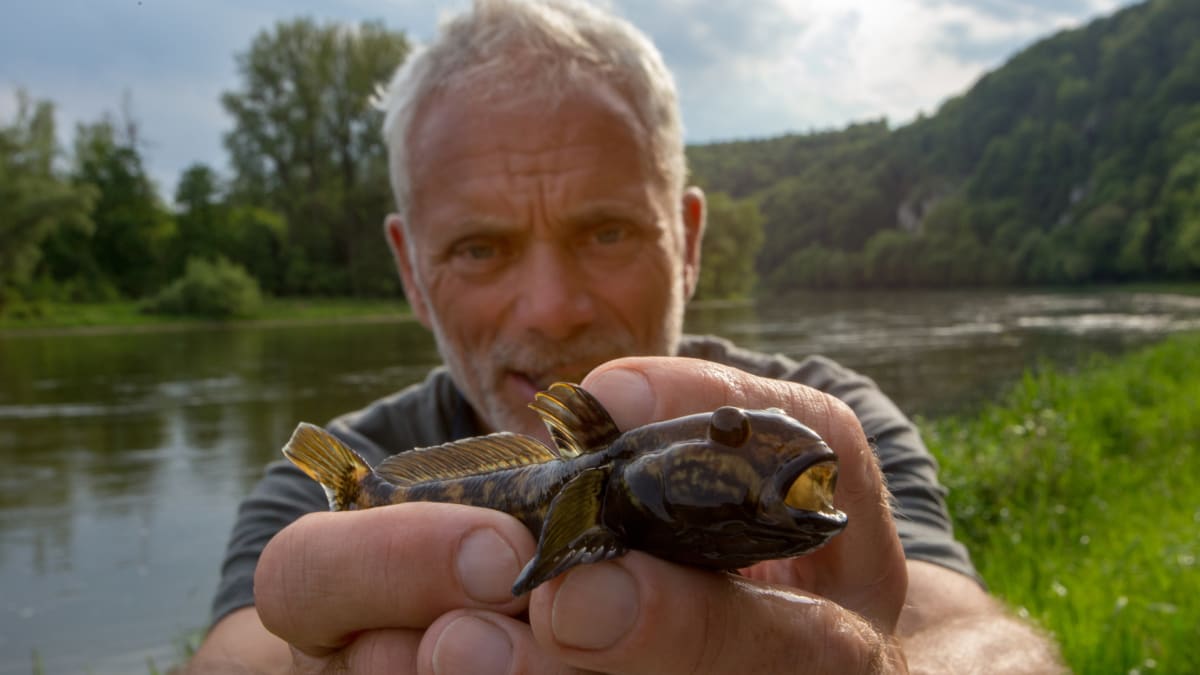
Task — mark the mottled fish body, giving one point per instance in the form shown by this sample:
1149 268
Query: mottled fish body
722 490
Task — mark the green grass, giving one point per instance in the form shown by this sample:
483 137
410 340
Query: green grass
1175 287
332 308
1180 287
126 313
1079 497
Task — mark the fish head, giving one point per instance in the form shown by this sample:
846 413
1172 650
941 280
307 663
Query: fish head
750 485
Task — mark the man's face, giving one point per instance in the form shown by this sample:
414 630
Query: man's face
541 245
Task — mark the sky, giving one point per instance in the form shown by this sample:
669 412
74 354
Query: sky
764 68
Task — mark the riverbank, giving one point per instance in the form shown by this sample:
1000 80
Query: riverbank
1077 495
123 314
53 317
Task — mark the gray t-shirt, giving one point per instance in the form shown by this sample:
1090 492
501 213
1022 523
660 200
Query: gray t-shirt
434 412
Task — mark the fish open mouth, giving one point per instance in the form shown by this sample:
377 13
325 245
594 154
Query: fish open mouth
811 489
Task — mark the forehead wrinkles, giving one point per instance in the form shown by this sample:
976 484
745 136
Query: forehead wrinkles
569 165
561 158
464 151
555 184
471 106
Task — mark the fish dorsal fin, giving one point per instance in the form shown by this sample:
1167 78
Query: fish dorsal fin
468 457
577 421
573 533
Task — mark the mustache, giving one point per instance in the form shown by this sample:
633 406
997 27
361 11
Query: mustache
539 357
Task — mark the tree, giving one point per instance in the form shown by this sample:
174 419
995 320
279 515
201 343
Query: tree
259 241
306 144
817 267
210 228
1181 205
732 239
35 201
1179 200
200 216
132 227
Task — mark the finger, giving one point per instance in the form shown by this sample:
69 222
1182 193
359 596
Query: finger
373 652
643 615
639 390
863 568
331 575
484 643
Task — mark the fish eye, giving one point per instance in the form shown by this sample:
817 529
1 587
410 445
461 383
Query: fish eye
729 426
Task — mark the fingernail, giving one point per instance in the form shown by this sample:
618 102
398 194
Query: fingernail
595 607
472 645
486 566
630 400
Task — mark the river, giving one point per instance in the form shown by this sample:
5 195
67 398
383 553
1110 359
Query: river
125 452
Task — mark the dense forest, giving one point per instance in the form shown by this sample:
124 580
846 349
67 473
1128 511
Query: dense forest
1077 161
301 215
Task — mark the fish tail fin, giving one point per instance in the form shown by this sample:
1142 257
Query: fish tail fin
327 460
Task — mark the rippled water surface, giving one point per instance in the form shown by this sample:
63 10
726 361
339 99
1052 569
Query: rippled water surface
124 453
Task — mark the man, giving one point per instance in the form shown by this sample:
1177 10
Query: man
543 233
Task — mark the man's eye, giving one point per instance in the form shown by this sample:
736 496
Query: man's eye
478 256
609 235
477 251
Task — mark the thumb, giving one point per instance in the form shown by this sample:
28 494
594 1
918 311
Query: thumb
639 614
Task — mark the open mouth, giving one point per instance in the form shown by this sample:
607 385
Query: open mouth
812 489
534 382
524 383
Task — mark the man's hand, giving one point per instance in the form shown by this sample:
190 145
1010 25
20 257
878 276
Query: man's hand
425 587
355 591
832 611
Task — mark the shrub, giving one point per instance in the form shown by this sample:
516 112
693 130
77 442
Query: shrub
14 305
214 289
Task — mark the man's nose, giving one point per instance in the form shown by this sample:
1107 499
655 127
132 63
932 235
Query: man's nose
555 296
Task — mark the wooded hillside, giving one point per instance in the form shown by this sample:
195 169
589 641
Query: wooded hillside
1077 161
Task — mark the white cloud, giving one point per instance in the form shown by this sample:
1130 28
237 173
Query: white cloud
825 65
8 107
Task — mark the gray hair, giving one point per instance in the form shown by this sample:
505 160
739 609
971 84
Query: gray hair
513 47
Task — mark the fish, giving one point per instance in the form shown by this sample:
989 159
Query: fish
720 490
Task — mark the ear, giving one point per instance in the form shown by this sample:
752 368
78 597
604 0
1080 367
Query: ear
694 216
393 228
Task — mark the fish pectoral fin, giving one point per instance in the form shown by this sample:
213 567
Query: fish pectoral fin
468 457
573 533
577 421
592 545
